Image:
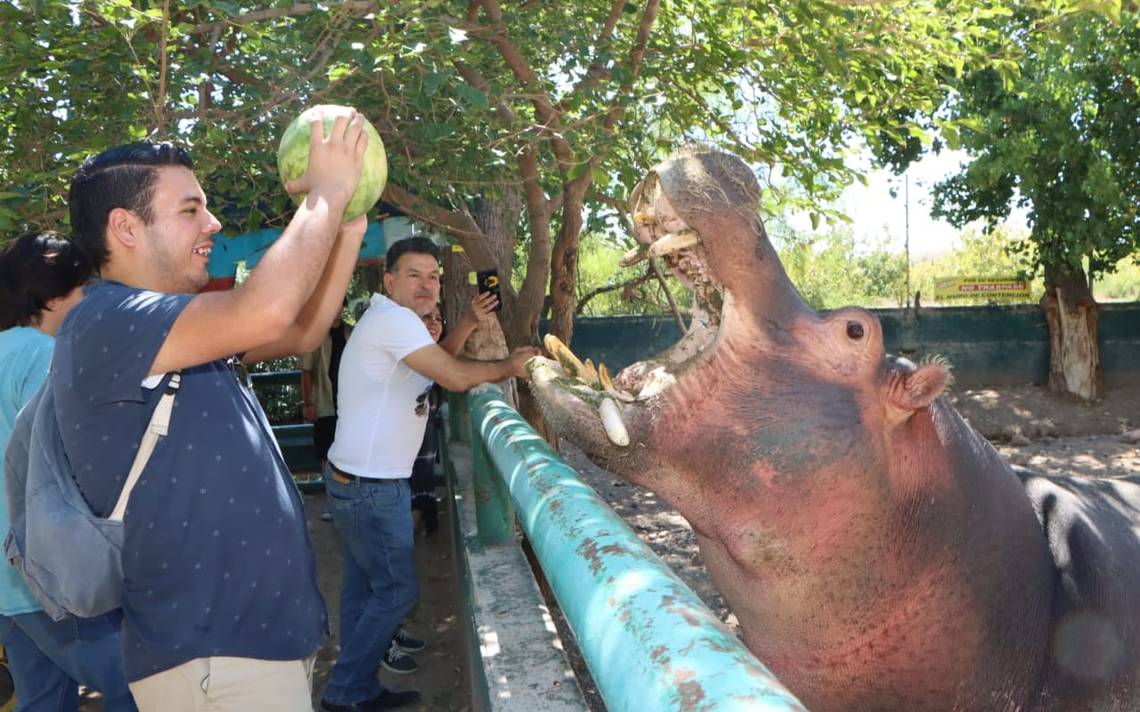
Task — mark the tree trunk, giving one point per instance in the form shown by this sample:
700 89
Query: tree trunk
498 220
564 267
1072 315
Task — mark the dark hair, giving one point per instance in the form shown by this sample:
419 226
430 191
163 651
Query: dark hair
120 177
420 245
36 268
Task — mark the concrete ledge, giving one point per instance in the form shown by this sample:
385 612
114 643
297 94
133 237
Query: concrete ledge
517 660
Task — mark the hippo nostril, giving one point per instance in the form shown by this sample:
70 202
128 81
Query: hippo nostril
854 330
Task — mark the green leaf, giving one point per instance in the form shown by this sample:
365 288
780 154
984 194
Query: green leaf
471 95
432 82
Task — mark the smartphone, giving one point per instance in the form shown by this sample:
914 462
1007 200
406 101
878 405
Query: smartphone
488 281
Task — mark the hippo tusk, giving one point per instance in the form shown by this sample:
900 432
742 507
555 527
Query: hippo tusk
605 379
566 358
654 386
674 242
612 422
589 374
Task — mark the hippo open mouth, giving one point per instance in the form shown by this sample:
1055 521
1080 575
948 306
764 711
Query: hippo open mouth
877 552
617 412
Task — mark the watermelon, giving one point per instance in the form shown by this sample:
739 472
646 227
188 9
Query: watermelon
293 159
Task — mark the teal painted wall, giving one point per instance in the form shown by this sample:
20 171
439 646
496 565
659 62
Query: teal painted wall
987 346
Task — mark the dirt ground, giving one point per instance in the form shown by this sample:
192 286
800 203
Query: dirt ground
437 620
1029 426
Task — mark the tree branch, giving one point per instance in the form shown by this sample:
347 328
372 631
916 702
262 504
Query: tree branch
554 203
668 295
451 221
360 7
520 68
475 79
636 54
538 261
160 100
596 71
612 286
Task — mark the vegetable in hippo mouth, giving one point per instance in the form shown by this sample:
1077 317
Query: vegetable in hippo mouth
634 392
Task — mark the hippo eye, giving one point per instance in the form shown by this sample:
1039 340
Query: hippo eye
854 330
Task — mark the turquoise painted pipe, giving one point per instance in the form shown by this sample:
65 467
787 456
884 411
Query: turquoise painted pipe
649 641
494 515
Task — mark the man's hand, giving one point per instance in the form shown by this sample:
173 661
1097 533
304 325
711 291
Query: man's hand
335 161
518 358
309 413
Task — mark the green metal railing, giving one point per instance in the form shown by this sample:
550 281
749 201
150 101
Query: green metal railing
648 640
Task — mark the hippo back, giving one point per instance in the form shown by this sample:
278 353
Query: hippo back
1093 530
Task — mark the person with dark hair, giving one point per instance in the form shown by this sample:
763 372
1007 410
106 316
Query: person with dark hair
319 369
221 605
41 279
425 509
424 505
386 373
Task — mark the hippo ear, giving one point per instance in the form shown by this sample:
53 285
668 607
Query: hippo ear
916 388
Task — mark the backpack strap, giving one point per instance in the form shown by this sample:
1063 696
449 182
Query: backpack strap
158 427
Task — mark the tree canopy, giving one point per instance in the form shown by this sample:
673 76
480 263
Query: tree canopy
1059 138
554 107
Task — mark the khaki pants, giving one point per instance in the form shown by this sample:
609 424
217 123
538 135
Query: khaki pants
228 685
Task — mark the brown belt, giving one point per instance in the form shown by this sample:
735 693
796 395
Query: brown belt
344 478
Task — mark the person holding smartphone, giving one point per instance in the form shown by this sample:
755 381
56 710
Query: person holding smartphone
388 367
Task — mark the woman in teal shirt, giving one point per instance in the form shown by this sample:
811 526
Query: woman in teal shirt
41 278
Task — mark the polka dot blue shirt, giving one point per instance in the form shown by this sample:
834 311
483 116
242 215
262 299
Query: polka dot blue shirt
216 557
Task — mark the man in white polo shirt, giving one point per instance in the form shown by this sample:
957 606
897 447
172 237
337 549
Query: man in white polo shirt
388 366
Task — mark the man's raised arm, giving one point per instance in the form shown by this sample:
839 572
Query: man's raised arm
266 307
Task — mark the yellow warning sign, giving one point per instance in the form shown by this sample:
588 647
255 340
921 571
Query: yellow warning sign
983 287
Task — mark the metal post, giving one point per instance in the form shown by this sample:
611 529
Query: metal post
494 513
457 416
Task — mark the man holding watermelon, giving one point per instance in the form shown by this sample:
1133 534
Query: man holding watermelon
221 606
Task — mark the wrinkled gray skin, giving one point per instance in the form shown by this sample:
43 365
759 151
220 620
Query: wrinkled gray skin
877 552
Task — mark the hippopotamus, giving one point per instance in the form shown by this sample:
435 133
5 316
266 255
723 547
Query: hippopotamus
878 553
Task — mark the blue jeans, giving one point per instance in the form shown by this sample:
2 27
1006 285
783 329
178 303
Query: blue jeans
49 659
378 588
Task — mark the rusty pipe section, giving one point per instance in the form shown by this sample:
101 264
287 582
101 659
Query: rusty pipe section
649 641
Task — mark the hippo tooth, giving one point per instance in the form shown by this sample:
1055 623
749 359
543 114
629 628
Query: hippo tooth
608 386
632 257
653 387
604 378
614 425
643 217
590 374
674 242
570 363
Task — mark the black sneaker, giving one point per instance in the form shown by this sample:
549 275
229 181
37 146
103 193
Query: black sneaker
386 700
397 661
406 642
